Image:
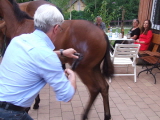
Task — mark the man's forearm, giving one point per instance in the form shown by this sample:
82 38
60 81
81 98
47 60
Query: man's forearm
58 52
73 83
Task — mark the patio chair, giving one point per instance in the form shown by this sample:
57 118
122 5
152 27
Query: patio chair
154 60
125 55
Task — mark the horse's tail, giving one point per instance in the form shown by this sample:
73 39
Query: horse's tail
107 67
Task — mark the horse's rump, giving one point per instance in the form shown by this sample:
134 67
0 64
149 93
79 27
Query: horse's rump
84 37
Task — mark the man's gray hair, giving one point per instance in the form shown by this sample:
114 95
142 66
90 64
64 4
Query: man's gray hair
99 17
47 16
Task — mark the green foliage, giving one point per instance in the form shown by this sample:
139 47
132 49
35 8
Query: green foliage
62 4
131 8
109 10
21 1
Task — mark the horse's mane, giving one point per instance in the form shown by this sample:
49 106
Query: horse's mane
20 15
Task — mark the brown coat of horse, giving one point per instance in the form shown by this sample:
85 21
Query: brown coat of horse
2 25
81 35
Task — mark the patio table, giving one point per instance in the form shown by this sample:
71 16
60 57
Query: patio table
117 38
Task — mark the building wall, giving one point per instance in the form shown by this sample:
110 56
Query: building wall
78 6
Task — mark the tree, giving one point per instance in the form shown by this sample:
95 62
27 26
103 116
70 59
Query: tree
21 1
113 8
109 11
62 4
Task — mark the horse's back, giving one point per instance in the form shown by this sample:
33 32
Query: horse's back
33 5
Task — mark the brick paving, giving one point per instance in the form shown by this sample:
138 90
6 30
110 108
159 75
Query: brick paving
128 101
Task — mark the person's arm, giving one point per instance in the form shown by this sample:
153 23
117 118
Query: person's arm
71 77
63 83
138 41
147 39
134 37
66 53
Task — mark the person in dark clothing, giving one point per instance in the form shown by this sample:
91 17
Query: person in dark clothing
100 24
134 32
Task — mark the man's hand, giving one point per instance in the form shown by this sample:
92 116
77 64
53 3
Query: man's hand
71 77
70 53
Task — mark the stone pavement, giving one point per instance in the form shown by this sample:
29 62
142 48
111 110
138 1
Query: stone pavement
128 101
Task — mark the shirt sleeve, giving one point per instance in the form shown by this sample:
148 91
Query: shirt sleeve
51 71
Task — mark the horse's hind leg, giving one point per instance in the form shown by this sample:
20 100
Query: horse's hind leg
37 101
104 92
88 79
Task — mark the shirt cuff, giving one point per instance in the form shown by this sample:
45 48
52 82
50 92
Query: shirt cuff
67 96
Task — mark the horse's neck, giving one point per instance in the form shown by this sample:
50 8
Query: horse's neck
9 17
26 27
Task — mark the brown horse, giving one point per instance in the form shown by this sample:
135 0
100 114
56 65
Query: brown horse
4 40
29 8
81 35
2 25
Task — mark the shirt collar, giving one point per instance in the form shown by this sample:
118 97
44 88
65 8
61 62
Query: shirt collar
43 36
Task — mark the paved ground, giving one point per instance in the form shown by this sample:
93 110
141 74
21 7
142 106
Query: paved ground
128 101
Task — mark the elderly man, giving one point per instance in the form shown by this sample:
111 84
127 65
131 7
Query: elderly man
100 24
29 63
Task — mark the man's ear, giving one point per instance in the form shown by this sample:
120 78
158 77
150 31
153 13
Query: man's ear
55 29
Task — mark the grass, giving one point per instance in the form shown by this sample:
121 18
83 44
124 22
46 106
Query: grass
126 29
119 30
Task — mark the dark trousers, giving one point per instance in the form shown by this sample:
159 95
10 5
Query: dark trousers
119 42
10 114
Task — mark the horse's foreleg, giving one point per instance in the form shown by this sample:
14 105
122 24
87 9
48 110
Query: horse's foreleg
37 101
94 90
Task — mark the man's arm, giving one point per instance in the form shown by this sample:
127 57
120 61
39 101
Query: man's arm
67 53
71 77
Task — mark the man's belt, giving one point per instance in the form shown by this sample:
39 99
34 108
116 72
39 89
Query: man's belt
9 106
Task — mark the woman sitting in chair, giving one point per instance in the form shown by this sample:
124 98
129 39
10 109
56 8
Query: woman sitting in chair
145 36
134 32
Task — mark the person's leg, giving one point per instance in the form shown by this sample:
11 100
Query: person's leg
26 117
16 115
117 42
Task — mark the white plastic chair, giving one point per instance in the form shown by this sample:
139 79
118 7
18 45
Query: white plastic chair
125 55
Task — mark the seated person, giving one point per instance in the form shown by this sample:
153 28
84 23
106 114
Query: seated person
145 36
134 32
100 24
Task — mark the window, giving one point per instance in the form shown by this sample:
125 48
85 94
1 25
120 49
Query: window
155 16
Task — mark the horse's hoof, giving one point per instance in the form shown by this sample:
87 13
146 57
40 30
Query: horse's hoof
35 106
107 118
